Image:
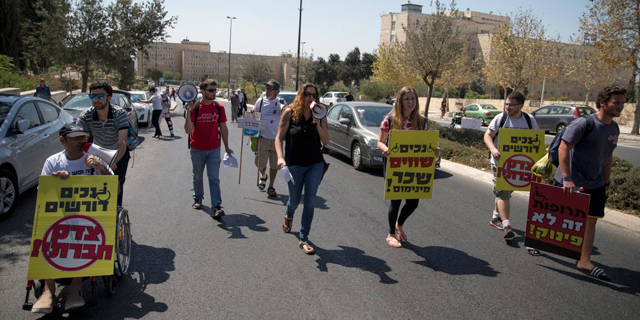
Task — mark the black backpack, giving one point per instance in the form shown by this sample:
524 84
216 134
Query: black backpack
555 144
195 119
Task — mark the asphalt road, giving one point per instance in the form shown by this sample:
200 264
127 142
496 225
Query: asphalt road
185 264
627 150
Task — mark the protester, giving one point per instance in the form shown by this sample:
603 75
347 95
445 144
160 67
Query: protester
302 157
349 96
206 131
234 106
108 126
270 109
71 161
515 119
166 111
388 100
43 89
243 108
457 117
241 98
173 94
585 165
443 108
405 115
157 111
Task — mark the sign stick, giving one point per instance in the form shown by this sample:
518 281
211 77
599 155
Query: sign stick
240 168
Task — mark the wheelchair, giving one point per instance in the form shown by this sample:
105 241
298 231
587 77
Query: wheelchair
122 259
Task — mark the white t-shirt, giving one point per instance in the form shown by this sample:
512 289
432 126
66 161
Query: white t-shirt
510 123
156 99
271 111
59 161
165 110
240 97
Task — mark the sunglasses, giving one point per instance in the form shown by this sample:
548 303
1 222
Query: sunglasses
212 90
99 95
309 94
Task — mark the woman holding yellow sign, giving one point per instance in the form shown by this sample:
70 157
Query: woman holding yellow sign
404 116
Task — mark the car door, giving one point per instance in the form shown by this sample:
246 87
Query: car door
28 146
555 113
542 118
333 118
343 139
326 98
472 111
50 115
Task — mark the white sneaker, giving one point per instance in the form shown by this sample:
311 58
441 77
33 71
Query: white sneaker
74 301
44 303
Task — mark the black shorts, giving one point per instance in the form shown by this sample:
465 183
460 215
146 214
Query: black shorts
597 202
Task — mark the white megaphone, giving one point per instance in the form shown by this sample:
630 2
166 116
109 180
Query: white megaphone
318 110
108 156
187 92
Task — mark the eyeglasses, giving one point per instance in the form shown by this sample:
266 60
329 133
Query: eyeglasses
512 104
309 94
99 95
211 90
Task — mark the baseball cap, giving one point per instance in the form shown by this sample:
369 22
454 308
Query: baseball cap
163 92
275 84
71 130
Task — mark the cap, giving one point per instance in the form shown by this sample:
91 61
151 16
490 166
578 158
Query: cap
71 130
163 92
41 79
275 84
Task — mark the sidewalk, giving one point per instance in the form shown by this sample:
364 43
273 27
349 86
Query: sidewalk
612 216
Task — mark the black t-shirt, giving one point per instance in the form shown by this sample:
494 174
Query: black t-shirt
302 147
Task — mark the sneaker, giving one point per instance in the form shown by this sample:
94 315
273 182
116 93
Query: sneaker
173 135
74 301
218 212
497 222
44 303
508 233
197 204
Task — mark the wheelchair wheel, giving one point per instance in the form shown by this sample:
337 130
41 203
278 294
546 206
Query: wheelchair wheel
38 288
110 284
123 244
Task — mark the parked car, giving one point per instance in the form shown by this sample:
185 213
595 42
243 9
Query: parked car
287 97
29 135
482 111
142 109
76 103
333 97
557 117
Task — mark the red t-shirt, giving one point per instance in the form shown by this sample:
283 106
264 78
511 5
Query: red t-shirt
205 132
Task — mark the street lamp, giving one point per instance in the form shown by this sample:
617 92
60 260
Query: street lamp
299 30
229 78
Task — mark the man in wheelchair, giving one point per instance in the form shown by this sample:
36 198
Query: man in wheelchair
71 161
457 117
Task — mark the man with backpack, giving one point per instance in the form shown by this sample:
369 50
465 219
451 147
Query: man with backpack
206 123
512 118
108 127
585 157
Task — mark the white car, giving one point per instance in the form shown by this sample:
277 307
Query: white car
332 97
143 109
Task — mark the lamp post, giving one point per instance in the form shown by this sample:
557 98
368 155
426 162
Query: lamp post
299 30
229 77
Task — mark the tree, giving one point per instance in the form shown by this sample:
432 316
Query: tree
167 75
376 90
154 74
433 47
521 53
256 70
460 74
323 73
389 67
367 65
43 29
10 37
585 67
614 25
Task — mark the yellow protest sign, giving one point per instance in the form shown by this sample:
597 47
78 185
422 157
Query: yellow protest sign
74 227
519 151
411 164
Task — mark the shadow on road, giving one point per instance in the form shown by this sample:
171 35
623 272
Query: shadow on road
451 261
232 223
16 231
354 258
439 174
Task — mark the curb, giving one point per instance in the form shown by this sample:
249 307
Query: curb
612 216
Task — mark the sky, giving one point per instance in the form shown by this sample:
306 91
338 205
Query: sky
270 27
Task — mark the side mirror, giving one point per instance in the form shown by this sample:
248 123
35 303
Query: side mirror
345 121
22 125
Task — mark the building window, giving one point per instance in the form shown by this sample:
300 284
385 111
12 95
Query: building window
393 37
417 24
484 31
393 25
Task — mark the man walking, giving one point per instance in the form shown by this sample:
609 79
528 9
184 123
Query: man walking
243 105
270 109
108 126
43 89
207 123
157 111
234 106
241 99
515 119
585 160
349 96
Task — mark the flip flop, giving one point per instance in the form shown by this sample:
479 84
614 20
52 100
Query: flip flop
309 249
533 252
393 242
263 182
286 224
401 235
596 272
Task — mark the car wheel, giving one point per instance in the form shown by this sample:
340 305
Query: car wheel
482 119
560 127
356 157
8 193
330 104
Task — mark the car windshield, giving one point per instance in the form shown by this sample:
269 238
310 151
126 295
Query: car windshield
136 96
78 102
288 98
341 95
372 116
488 107
5 107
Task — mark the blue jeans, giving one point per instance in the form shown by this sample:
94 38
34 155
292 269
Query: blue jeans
210 158
309 178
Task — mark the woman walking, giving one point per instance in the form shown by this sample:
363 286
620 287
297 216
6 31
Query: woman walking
303 158
404 116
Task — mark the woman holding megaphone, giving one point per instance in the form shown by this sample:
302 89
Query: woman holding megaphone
303 133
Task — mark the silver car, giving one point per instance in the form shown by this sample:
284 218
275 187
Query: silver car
29 134
354 128
557 117
76 103
142 109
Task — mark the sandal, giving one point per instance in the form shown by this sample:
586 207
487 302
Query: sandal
306 247
263 183
393 242
596 272
533 252
271 192
286 224
401 235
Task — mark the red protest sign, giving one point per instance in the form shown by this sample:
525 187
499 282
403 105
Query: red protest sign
555 221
